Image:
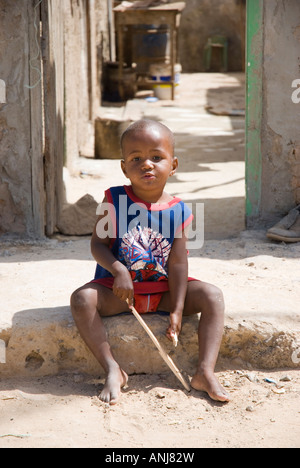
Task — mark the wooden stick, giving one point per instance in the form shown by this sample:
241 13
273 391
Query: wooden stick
162 352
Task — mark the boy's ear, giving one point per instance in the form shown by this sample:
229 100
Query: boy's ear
123 168
174 166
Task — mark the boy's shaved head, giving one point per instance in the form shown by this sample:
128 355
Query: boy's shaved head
145 124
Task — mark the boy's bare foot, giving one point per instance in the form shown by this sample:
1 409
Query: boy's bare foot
115 380
209 383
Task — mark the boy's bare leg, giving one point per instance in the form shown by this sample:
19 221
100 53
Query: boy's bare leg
207 299
210 332
87 303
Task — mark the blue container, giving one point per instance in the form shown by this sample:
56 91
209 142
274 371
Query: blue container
151 43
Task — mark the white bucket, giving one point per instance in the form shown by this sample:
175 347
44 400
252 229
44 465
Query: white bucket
162 72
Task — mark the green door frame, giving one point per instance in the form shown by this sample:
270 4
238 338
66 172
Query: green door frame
254 97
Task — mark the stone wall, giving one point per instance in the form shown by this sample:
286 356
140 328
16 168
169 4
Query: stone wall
204 18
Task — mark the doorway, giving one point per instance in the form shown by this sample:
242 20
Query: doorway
214 141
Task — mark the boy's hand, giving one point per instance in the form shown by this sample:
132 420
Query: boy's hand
174 328
123 286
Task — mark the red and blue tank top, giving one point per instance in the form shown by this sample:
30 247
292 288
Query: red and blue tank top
143 237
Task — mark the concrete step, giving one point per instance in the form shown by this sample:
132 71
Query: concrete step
260 281
46 341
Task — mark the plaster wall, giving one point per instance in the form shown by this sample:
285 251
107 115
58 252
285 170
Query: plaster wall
86 45
203 18
15 160
280 137
76 78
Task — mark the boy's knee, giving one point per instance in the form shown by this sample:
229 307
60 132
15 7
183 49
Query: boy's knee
80 300
214 296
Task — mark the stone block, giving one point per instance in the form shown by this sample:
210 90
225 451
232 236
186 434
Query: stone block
108 132
109 127
46 342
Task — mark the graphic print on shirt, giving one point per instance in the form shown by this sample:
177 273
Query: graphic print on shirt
145 253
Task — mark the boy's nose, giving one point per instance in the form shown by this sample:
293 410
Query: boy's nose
147 164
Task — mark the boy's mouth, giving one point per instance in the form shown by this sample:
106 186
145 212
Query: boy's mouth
148 175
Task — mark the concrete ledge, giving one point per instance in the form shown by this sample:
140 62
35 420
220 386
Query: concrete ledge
46 341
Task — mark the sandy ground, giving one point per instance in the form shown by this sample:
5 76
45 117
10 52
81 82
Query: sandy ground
153 411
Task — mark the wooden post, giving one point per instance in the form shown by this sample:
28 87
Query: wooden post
36 123
254 52
172 39
53 59
111 30
120 60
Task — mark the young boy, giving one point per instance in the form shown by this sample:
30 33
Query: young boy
145 263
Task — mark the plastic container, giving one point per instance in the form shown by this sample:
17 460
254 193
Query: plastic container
150 44
163 72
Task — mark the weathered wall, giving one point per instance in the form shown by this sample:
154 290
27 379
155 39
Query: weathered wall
280 137
15 160
203 18
76 77
23 202
86 44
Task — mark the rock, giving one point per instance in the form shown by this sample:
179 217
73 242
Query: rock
252 377
250 409
78 219
286 378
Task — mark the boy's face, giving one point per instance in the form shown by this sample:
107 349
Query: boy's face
148 158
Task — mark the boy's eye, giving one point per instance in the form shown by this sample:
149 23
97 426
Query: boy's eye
154 158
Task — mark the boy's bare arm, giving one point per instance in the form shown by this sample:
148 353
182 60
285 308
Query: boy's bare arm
123 286
178 278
